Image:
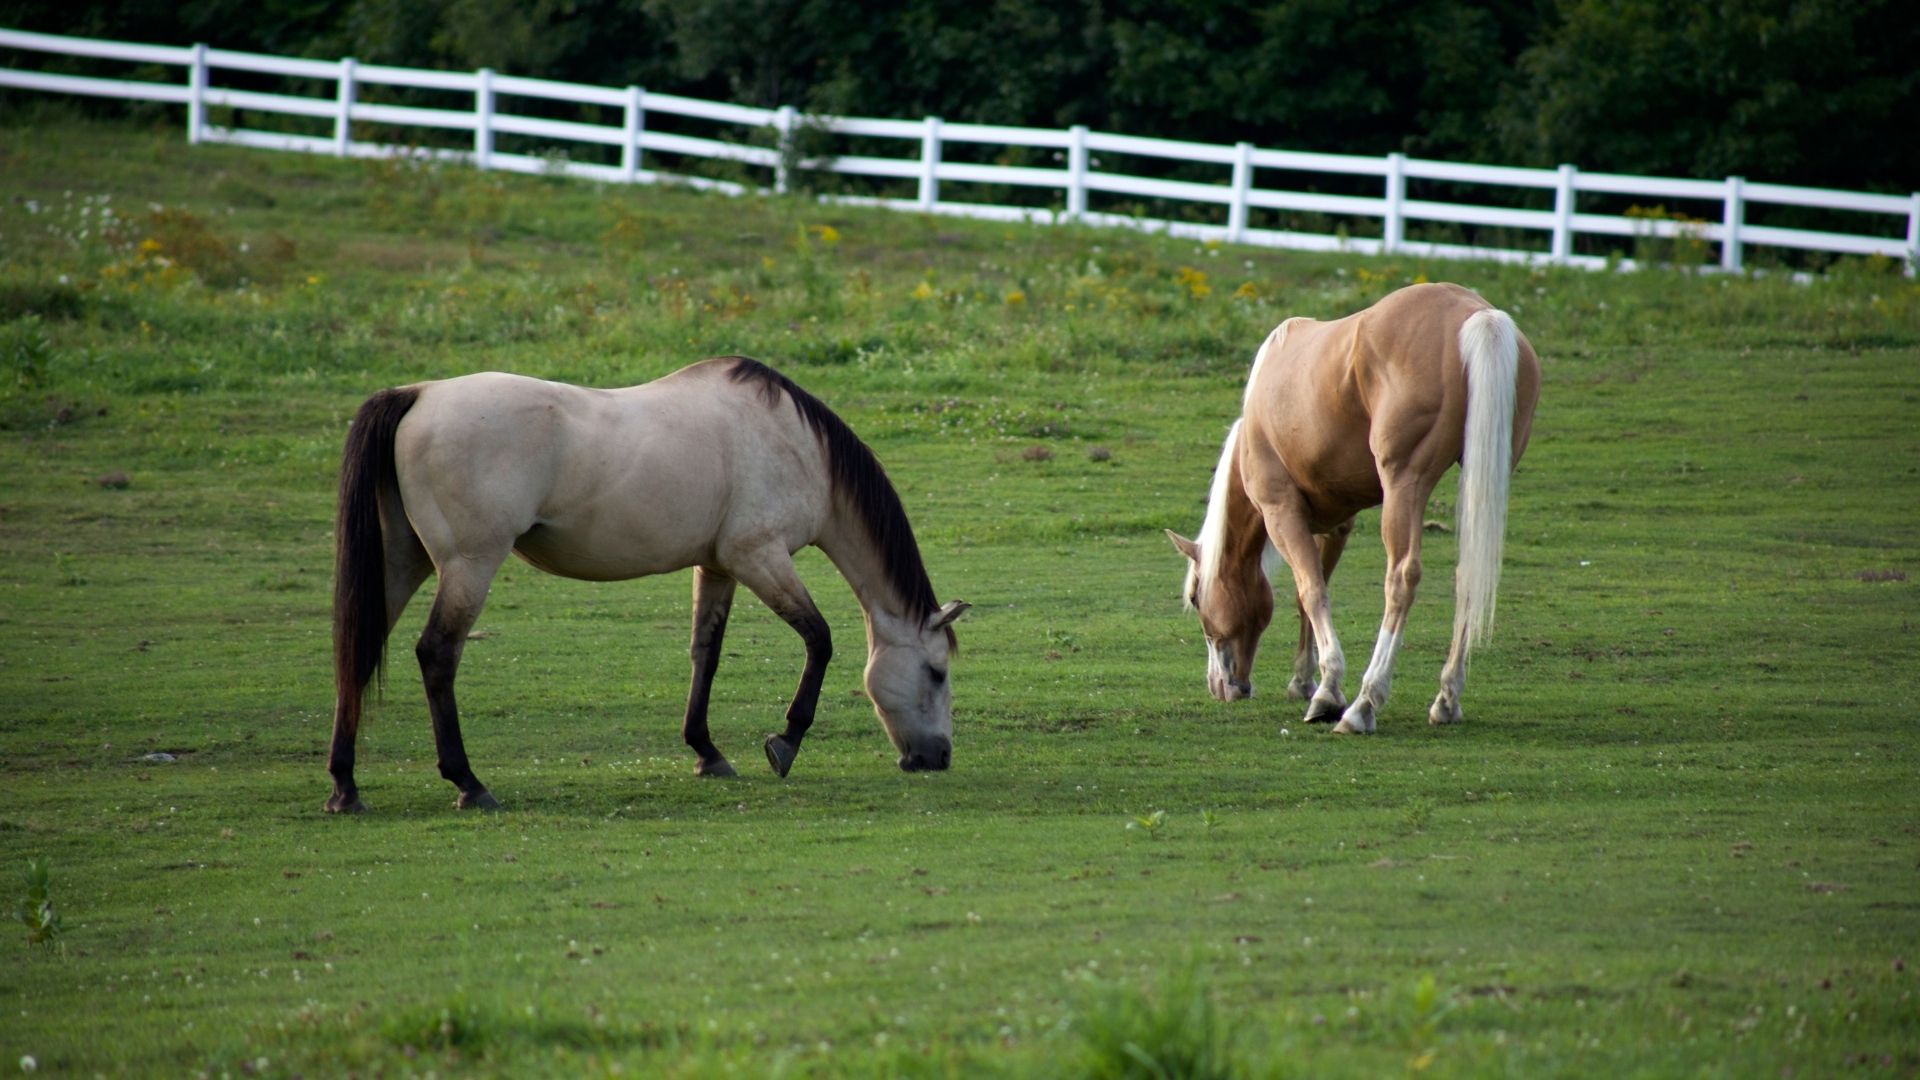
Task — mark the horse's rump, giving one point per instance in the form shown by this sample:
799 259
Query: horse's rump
1327 400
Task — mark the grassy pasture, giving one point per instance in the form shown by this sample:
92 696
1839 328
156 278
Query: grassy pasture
1678 835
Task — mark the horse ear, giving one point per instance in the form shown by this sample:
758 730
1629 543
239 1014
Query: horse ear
1184 546
945 616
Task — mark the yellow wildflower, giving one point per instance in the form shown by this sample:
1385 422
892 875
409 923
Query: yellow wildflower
922 291
1015 298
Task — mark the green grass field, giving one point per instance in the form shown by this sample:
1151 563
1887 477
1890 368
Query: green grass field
1677 836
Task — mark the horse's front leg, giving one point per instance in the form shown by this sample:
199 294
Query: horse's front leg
1306 657
712 602
772 578
1287 528
812 628
1400 525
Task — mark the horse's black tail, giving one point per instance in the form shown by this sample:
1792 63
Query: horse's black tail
360 565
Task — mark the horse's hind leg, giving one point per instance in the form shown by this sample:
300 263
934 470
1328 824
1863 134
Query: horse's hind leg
1453 679
456 605
712 601
1305 655
1400 524
407 565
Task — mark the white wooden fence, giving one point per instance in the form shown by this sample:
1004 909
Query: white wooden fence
1235 197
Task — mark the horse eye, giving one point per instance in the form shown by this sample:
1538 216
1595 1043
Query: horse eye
936 675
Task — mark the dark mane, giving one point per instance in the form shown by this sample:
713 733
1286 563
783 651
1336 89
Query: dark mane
859 479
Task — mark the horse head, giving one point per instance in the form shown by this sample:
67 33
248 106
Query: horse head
906 679
1235 605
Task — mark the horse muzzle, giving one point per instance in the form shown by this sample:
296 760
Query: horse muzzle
933 755
1229 690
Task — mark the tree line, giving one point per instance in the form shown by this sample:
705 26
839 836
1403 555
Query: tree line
1820 92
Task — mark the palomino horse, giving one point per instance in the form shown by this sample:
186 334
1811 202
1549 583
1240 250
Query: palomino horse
1369 410
725 466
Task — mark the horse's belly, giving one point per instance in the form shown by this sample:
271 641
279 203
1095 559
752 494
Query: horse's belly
594 558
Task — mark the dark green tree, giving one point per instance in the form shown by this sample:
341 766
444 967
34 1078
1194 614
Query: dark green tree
1818 92
1799 91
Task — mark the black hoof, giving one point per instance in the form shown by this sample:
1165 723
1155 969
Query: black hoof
780 754
716 767
1324 713
476 800
349 804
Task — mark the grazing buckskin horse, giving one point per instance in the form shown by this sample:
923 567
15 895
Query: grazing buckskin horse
1369 410
725 466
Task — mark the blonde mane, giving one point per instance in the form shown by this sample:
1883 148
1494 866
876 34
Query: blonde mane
1213 531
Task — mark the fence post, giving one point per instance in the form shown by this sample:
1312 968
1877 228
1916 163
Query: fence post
197 95
783 123
636 126
1913 235
1731 220
930 165
1563 196
483 119
1394 228
343 120
1242 186
1077 171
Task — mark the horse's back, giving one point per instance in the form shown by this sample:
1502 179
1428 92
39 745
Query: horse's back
600 484
1413 330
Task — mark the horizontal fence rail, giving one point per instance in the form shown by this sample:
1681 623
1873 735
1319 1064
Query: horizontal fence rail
1076 163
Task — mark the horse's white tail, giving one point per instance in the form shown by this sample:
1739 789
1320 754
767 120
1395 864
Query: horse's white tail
1490 350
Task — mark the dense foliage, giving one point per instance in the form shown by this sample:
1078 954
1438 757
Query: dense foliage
1801 91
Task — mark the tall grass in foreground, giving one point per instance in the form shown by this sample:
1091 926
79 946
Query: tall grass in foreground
1174 1030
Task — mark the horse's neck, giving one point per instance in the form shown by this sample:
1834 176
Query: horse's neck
1233 532
852 551
1245 534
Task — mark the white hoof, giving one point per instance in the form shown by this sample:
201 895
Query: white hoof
1357 721
1301 689
1443 712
